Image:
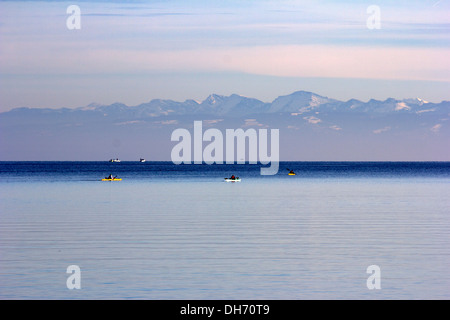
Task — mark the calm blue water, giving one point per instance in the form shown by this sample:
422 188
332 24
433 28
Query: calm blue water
180 232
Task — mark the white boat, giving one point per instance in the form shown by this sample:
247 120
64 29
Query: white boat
233 180
114 160
141 160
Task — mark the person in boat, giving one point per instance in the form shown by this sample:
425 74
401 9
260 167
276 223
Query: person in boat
233 177
110 177
292 171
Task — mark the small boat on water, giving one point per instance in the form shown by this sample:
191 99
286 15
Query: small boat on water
114 160
111 178
291 174
141 160
232 179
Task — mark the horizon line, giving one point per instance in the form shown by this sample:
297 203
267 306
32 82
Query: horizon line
247 163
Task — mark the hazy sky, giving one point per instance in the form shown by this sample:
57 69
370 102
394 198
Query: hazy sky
135 51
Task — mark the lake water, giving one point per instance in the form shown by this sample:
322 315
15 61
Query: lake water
181 232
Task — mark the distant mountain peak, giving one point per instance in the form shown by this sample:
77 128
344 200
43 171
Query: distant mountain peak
214 99
302 92
299 101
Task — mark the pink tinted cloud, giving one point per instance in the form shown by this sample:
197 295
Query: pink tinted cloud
296 61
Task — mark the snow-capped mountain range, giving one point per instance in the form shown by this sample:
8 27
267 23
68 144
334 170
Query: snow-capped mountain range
312 127
235 105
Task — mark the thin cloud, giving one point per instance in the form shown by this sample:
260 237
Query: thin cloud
167 122
291 61
378 131
252 123
436 128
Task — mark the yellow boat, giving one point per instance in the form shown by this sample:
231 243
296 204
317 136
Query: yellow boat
291 174
113 179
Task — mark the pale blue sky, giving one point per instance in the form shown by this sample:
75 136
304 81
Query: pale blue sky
135 51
